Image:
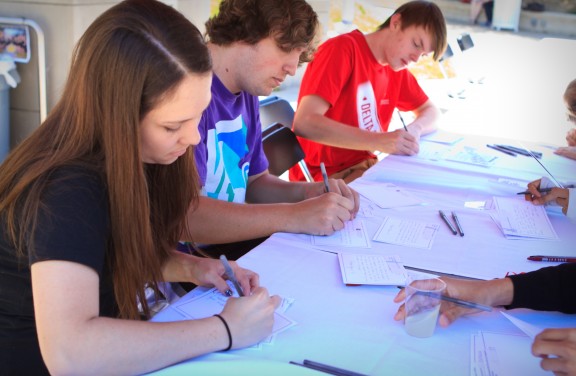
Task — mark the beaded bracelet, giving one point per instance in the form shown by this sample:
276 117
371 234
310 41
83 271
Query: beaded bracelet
228 331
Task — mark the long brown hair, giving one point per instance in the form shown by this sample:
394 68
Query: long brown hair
131 57
292 24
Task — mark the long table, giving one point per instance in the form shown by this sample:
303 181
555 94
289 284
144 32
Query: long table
352 327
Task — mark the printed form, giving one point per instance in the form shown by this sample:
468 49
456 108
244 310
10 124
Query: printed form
407 232
352 235
212 302
370 269
522 219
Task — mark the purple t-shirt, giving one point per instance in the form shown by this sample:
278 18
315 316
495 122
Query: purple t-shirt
230 149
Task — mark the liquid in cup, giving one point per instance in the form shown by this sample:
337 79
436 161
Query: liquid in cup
422 305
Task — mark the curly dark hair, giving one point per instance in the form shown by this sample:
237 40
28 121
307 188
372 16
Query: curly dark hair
292 24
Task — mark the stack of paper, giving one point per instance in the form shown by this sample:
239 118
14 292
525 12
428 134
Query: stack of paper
520 219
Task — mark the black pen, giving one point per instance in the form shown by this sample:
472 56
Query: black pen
402 120
455 218
445 219
324 177
326 368
461 302
543 190
525 152
501 150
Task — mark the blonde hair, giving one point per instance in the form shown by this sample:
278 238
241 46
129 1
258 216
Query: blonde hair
570 99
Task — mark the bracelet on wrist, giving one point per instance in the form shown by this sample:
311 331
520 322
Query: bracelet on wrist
227 331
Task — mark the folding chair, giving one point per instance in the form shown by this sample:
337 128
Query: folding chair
276 110
283 150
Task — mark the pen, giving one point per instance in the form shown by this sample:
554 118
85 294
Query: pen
445 219
324 177
501 150
525 152
402 120
326 368
552 258
455 218
230 274
461 302
543 190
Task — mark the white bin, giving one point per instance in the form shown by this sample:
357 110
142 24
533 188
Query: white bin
506 14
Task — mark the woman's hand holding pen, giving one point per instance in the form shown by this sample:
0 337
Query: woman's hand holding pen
201 271
566 151
250 318
557 348
558 195
491 293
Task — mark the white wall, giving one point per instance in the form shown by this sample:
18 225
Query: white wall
63 22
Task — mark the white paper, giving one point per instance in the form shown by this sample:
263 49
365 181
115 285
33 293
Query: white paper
501 354
352 235
386 195
520 218
472 156
212 302
442 137
407 232
529 329
372 269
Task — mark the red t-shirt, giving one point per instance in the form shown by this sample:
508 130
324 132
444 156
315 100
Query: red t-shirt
362 93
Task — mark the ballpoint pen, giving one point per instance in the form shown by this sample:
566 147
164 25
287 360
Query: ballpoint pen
543 190
445 219
552 258
324 177
521 151
458 225
402 120
326 368
230 274
461 302
501 150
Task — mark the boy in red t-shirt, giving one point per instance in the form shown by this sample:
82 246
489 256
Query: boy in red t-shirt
352 87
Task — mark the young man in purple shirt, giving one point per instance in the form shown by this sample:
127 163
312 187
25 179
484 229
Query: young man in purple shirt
254 45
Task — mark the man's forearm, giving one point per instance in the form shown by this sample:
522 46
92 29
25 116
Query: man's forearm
215 221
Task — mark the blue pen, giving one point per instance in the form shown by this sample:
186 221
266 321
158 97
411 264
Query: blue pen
230 274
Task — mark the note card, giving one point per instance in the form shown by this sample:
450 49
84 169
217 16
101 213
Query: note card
352 235
212 302
371 269
472 156
385 195
407 232
522 219
503 355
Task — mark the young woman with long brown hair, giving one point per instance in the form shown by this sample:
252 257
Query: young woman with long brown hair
94 202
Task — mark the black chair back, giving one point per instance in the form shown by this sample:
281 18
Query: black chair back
282 148
276 110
